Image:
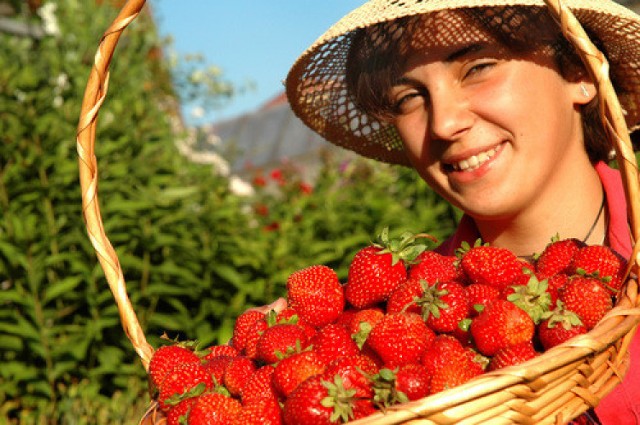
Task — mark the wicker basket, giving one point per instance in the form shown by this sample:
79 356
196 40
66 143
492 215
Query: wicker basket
550 389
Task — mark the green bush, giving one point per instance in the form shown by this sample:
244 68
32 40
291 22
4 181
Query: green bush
194 254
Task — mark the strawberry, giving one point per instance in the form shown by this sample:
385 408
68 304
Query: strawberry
318 401
216 367
400 338
479 294
214 409
244 328
558 326
333 341
290 372
362 322
237 374
450 365
166 358
406 383
443 306
554 283
376 270
280 341
220 351
557 257
601 262
316 294
443 347
433 267
252 336
260 385
177 415
262 411
403 298
183 381
500 325
586 297
491 265
533 297
513 355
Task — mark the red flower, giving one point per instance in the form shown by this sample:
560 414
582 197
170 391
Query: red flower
305 188
259 181
276 174
272 227
262 209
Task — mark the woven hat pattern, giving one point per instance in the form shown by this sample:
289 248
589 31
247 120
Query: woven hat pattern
316 84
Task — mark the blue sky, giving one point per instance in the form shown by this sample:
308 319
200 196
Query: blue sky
250 40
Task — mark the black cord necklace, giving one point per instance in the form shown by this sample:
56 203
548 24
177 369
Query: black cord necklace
595 223
588 235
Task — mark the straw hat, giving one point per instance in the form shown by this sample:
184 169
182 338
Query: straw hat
317 89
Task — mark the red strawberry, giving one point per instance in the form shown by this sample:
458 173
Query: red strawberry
316 294
559 326
260 385
290 372
443 306
602 262
400 338
262 411
491 265
557 257
586 297
253 334
280 341
501 324
220 351
449 364
378 269
414 381
318 401
433 267
244 328
166 358
177 415
216 368
554 283
362 323
443 347
480 294
532 297
333 341
237 374
183 381
403 298
513 355
214 409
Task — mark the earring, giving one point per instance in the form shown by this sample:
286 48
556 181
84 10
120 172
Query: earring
585 92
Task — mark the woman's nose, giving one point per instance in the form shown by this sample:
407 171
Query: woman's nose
450 116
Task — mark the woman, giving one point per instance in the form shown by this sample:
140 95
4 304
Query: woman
495 111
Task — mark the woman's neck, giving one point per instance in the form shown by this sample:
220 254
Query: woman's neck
574 209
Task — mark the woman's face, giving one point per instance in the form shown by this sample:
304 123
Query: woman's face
485 127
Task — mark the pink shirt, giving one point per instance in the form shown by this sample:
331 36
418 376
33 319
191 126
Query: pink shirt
622 405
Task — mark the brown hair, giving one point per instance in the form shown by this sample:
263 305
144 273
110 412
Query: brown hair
377 54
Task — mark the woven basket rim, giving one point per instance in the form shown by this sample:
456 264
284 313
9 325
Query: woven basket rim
494 390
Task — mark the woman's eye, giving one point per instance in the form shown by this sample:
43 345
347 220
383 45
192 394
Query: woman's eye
478 68
407 101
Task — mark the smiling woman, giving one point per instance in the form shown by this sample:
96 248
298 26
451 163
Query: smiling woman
492 106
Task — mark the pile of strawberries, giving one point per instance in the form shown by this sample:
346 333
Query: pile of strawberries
407 323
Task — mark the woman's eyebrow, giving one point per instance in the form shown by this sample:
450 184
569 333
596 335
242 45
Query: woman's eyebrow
472 48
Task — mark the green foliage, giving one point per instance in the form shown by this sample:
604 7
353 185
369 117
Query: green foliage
194 254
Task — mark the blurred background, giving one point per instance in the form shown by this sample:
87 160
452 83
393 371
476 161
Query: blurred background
211 191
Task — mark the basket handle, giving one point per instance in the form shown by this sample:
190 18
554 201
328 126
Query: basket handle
94 95
610 112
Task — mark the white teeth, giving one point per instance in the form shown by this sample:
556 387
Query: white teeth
474 161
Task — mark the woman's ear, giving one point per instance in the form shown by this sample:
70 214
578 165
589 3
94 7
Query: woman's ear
585 91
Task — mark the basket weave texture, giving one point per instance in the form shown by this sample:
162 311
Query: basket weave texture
553 388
